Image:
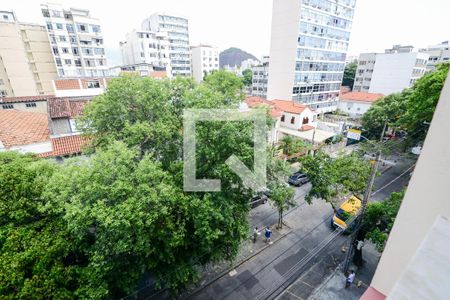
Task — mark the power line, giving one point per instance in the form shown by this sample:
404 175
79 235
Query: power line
393 180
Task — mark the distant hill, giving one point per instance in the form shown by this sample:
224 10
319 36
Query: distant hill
234 57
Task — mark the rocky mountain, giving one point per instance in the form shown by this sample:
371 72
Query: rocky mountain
234 57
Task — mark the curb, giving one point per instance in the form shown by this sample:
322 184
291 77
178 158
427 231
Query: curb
225 272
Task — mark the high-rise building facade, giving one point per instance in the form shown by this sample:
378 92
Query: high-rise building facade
177 29
390 72
205 59
308 50
76 41
26 63
438 54
146 47
259 78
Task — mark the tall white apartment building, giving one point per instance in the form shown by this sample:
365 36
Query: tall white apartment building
438 54
177 29
26 61
76 40
146 47
390 72
205 59
259 78
308 50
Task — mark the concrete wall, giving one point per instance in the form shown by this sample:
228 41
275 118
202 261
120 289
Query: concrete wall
298 119
392 72
41 106
354 109
60 126
16 74
426 198
283 48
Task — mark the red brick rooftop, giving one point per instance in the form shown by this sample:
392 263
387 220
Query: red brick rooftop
22 128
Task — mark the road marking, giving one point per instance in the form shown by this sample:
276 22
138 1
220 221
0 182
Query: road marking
300 298
307 284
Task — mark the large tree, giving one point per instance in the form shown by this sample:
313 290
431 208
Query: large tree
247 75
421 103
107 220
349 74
332 178
379 219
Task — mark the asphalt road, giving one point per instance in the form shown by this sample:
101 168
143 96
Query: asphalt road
265 275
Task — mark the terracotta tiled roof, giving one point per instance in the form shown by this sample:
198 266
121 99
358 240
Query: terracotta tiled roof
68 145
26 99
254 101
22 128
289 106
65 108
306 127
361 97
158 74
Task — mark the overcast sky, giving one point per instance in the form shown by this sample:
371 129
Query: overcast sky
378 24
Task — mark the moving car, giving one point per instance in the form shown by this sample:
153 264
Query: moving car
344 216
297 179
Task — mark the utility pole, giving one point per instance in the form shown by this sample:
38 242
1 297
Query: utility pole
365 200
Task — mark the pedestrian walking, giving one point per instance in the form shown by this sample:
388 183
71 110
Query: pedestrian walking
268 234
255 234
350 278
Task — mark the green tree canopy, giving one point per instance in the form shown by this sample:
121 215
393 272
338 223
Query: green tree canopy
349 74
379 219
332 178
421 103
247 77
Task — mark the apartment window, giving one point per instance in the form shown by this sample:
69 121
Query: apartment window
82 27
69 28
68 62
8 106
65 50
3 93
96 28
305 120
99 51
93 84
292 120
282 118
62 38
73 39
78 62
59 26
30 105
55 50
75 51
89 63
98 41
5 17
101 62
56 13
45 13
58 62
87 51
49 26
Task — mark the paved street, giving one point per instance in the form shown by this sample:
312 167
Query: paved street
307 253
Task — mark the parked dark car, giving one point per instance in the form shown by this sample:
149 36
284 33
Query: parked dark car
258 199
298 179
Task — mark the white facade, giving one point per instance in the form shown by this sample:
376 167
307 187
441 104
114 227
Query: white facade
146 47
426 200
205 59
76 40
177 29
390 72
438 54
308 49
260 78
354 109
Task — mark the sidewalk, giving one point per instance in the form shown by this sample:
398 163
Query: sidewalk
333 286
